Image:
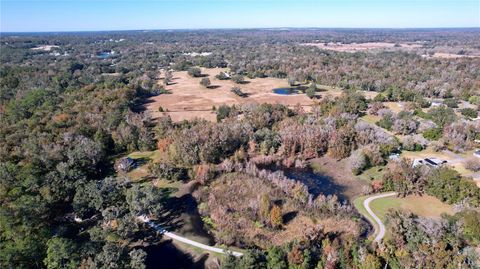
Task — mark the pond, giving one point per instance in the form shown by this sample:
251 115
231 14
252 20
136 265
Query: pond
105 54
285 91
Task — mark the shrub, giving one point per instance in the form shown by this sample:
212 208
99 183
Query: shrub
474 100
222 76
386 122
433 134
168 171
194 72
473 164
450 102
205 82
223 112
414 143
358 162
239 79
469 113
311 90
238 91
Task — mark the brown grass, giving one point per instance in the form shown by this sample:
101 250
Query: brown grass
354 47
189 99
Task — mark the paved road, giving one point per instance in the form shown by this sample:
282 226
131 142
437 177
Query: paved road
381 227
173 236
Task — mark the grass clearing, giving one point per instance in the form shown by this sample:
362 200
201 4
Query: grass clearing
372 173
188 99
425 206
372 119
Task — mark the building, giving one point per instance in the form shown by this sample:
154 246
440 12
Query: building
433 162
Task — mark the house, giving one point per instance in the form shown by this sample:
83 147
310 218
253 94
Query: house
436 103
433 162
124 164
394 157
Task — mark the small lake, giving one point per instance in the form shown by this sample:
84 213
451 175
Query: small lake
290 90
285 91
104 54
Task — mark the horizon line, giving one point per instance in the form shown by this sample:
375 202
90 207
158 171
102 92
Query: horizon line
245 28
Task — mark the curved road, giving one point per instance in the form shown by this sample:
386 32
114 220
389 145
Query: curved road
381 227
173 236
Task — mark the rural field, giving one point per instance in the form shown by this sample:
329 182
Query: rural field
240 148
188 99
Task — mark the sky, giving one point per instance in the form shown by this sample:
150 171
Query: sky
90 15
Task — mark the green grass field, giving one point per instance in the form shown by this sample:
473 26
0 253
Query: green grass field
372 173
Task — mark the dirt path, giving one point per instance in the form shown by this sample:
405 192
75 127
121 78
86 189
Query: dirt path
173 236
381 226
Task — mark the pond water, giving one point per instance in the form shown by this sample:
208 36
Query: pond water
285 91
104 54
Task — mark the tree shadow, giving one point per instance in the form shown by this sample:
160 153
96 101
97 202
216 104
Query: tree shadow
289 216
244 82
166 255
187 215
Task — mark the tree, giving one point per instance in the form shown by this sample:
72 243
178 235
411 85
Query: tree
222 76
205 82
239 79
252 259
311 90
223 112
264 206
137 259
276 258
276 216
168 78
61 253
194 72
442 115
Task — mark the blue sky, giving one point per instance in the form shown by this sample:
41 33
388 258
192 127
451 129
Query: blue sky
87 15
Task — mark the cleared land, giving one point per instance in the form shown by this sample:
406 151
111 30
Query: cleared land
354 47
189 99
425 206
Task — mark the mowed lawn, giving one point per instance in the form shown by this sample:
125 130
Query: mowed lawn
425 206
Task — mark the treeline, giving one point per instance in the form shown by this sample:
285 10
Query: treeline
62 125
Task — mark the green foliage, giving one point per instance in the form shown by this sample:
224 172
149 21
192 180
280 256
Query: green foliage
223 112
433 134
194 72
442 115
61 253
469 113
205 82
351 102
386 122
168 171
451 102
311 90
447 185
475 100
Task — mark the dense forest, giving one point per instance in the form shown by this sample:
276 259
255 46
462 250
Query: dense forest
71 105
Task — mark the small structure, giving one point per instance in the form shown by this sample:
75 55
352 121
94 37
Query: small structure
394 157
433 162
436 103
124 164
477 153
